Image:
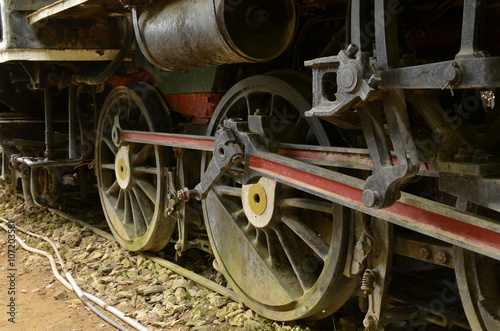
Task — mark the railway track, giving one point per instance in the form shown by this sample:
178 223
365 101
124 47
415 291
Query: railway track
143 274
423 296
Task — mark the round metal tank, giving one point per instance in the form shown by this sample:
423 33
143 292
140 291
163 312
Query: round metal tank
181 34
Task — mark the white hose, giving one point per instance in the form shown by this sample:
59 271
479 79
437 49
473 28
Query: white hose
71 284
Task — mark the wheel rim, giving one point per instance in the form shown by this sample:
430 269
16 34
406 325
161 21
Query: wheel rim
131 178
281 249
478 279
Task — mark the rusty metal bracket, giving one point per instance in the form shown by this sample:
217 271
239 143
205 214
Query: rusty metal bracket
360 246
352 76
382 187
227 152
376 277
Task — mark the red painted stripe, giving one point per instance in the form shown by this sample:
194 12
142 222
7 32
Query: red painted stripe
451 227
169 139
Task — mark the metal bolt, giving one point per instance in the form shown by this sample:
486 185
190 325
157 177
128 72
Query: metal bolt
363 245
483 54
442 257
348 78
116 136
452 73
374 81
423 253
370 198
370 322
352 50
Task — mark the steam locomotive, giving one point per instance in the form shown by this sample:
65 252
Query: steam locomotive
317 148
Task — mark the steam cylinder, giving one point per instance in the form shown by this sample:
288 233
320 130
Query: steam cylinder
181 34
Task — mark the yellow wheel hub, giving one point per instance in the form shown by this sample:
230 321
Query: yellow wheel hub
122 169
257 199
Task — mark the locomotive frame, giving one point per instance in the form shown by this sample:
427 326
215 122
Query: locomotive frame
295 216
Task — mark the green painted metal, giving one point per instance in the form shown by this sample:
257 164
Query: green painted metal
194 80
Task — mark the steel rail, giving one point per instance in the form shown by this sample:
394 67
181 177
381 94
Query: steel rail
165 263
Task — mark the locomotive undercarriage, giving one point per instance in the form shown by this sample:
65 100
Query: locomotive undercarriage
307 200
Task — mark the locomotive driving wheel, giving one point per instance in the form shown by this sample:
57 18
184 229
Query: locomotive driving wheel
282 250
131 178
478 279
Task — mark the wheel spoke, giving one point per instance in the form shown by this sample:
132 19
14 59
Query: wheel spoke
308 235
141 122
147 188
144 204
251 258
143 154
128 217
240 213
309 204
111 146
145 170
113 189
297 259
140 226
228 190
120 202
108 166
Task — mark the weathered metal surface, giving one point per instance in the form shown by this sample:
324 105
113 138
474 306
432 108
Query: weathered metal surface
478 285
470 28
377 276
53 9
171 140
356 158
339 83
434 76
199 105
92 39
432 251
428 217
192 80
131 179
58 55
281 263
182 34
477 190
78 9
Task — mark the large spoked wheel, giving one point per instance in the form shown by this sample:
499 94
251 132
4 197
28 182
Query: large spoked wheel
131 178
282 250
478 279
